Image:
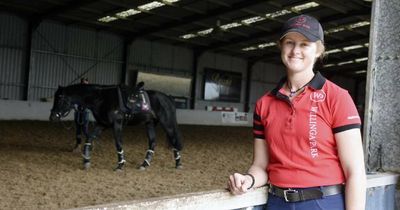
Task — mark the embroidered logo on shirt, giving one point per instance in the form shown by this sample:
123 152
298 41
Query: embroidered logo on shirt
318 96
313 131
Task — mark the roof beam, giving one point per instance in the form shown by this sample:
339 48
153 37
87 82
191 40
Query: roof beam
270 35
72 5
198 17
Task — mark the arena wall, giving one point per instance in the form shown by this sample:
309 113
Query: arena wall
35 110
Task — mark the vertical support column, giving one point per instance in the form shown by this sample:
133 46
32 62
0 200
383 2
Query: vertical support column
381 124
249 71
125 54
32 25
196 55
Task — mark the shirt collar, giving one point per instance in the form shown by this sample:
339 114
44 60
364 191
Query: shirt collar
316 83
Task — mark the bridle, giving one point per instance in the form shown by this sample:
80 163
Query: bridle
60 114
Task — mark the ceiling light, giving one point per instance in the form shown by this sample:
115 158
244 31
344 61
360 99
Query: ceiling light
150 6
107 19
305 6
127 13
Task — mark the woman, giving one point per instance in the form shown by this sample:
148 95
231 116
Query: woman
307 145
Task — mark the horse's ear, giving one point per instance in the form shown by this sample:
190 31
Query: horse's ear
140 85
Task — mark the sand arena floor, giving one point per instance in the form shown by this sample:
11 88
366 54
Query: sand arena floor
39 171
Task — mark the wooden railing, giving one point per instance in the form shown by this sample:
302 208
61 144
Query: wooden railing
220 199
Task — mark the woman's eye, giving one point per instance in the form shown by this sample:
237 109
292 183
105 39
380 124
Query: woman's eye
304 44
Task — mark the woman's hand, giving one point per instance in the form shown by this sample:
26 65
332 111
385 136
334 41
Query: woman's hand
240 183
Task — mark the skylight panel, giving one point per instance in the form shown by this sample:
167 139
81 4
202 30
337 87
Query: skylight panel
127 13
150 6
333 51
277 13
205 32
259 46
358 60
169 1
359 24
345 62
250 48
352 47
334 30
305 6
264 45
107 19
360 72
230 25
188 36
329 65
251 20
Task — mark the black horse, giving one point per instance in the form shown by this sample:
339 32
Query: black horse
114 106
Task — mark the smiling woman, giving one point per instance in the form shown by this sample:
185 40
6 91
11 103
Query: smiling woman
303 128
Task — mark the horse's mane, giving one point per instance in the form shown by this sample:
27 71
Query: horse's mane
97 86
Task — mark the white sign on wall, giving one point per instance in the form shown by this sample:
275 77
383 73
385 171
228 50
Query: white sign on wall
235 117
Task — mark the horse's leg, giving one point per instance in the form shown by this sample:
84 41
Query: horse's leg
78 139
87 148
174 138
117 132
151 136
86 153
78 133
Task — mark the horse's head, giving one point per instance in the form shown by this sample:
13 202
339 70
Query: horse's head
62 105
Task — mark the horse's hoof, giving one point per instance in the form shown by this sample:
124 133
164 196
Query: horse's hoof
120 167
142 168
118 170
179 167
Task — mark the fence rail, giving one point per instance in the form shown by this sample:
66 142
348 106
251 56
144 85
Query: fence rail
222 199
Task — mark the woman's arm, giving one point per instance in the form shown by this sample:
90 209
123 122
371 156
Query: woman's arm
351 156
239 183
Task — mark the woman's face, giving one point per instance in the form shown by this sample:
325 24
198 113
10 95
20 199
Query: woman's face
297 53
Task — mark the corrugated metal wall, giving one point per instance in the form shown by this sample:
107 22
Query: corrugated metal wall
62 54
160 58
13 31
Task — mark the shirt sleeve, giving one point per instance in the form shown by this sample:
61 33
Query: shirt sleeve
345 115
258 128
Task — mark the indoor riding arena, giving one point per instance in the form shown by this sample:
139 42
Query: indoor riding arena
152 104
39 171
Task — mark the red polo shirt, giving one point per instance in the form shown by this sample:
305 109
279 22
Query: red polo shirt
300 134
